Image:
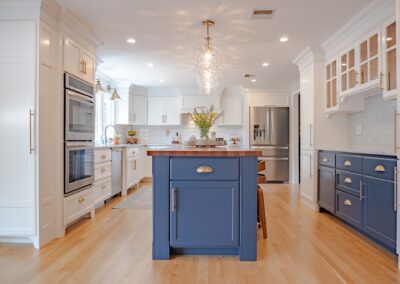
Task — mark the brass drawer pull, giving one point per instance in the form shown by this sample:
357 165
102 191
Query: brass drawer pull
103 186
103 157
348 180
204 170
347 202
325 160
347 163
103 170
380 169
81 199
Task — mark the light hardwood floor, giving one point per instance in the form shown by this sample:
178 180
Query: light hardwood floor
115 247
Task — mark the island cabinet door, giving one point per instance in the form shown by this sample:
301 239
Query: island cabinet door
204 214
380 210
326 188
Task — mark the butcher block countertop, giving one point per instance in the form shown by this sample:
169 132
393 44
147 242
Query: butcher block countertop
205 152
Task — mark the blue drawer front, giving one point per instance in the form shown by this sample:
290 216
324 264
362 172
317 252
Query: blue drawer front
187 169
348 182
349 208
379 211
379 167
205 214
326 159
349 163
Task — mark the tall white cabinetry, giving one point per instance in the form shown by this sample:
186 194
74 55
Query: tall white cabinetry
18 118
132 108
232 106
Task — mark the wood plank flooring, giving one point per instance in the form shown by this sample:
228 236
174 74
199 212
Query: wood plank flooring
115 247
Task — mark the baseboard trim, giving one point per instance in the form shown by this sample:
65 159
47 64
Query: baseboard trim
307 201
16 240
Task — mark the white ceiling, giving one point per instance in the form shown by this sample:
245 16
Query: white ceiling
169 32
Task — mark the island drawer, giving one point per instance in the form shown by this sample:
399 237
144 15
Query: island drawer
349 208
204 168
326 159
379 167
348 182
351 163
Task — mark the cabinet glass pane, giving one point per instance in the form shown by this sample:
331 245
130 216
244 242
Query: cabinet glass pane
328 72
373 46
351 59
328 94
364 73
391 70
391 35
343 63
334 68
374 70
344 82
352 78
334 92
364 51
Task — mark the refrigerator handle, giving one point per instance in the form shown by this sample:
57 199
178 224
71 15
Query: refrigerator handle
267 130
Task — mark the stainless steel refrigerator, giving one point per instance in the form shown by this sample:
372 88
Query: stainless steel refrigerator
269 132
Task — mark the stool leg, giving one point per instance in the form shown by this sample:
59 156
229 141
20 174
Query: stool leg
261 208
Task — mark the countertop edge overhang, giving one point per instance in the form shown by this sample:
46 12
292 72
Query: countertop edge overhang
205 152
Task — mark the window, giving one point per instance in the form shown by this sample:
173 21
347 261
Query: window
104 114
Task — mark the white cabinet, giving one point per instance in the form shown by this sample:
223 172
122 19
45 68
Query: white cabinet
77 205
78 62
18 152
232 106
389 70
102 175
132 168
137 110
164 110
307 108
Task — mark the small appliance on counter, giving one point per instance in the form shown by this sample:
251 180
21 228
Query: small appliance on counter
176 140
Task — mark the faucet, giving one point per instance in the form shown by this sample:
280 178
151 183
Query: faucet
105 132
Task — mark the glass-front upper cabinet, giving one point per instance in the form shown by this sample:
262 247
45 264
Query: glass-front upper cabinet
369 60
331 83
389 61
348 71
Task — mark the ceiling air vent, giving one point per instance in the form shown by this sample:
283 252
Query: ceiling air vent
263 14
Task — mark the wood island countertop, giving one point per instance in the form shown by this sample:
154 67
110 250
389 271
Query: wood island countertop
205 152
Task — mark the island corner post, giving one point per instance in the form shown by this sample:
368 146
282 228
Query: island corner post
204 202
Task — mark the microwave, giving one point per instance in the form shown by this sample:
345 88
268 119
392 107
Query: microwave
79 113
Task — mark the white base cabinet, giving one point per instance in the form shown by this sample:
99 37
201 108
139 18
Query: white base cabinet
102 175
102 191
77 205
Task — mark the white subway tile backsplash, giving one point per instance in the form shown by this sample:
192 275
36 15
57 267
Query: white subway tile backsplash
376 123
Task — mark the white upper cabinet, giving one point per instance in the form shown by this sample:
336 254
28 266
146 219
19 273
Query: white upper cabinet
232 106
389 70
348 71
164 110
78 62
138 110
331 84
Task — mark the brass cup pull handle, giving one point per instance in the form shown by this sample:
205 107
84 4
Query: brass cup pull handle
204 170
347 163
103 170
103 157
81 199
347 202
325 160
103 187
380 169
348 180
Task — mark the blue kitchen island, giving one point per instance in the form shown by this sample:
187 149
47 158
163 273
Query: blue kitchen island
204 202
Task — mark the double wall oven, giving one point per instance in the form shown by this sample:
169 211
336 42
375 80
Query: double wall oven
79 117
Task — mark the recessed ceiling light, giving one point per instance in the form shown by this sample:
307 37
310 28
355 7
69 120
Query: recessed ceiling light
162 80
254 80
131 40
150 65
284 39
265 64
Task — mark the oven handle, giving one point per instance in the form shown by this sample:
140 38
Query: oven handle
80 144
273 158
81 97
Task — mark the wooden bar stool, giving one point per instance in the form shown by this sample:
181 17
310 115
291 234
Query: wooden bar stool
262 221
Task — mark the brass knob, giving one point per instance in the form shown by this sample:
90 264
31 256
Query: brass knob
81 199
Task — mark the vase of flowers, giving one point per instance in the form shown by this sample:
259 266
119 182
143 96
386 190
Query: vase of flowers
204 120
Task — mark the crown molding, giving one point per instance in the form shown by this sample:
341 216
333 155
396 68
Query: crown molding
365 21
309 56
20 9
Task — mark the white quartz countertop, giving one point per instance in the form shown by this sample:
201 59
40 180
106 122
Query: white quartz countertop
358 151
154 146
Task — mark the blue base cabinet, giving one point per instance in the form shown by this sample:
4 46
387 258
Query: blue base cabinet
205 206
365 193
379 211
326 184
204 214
